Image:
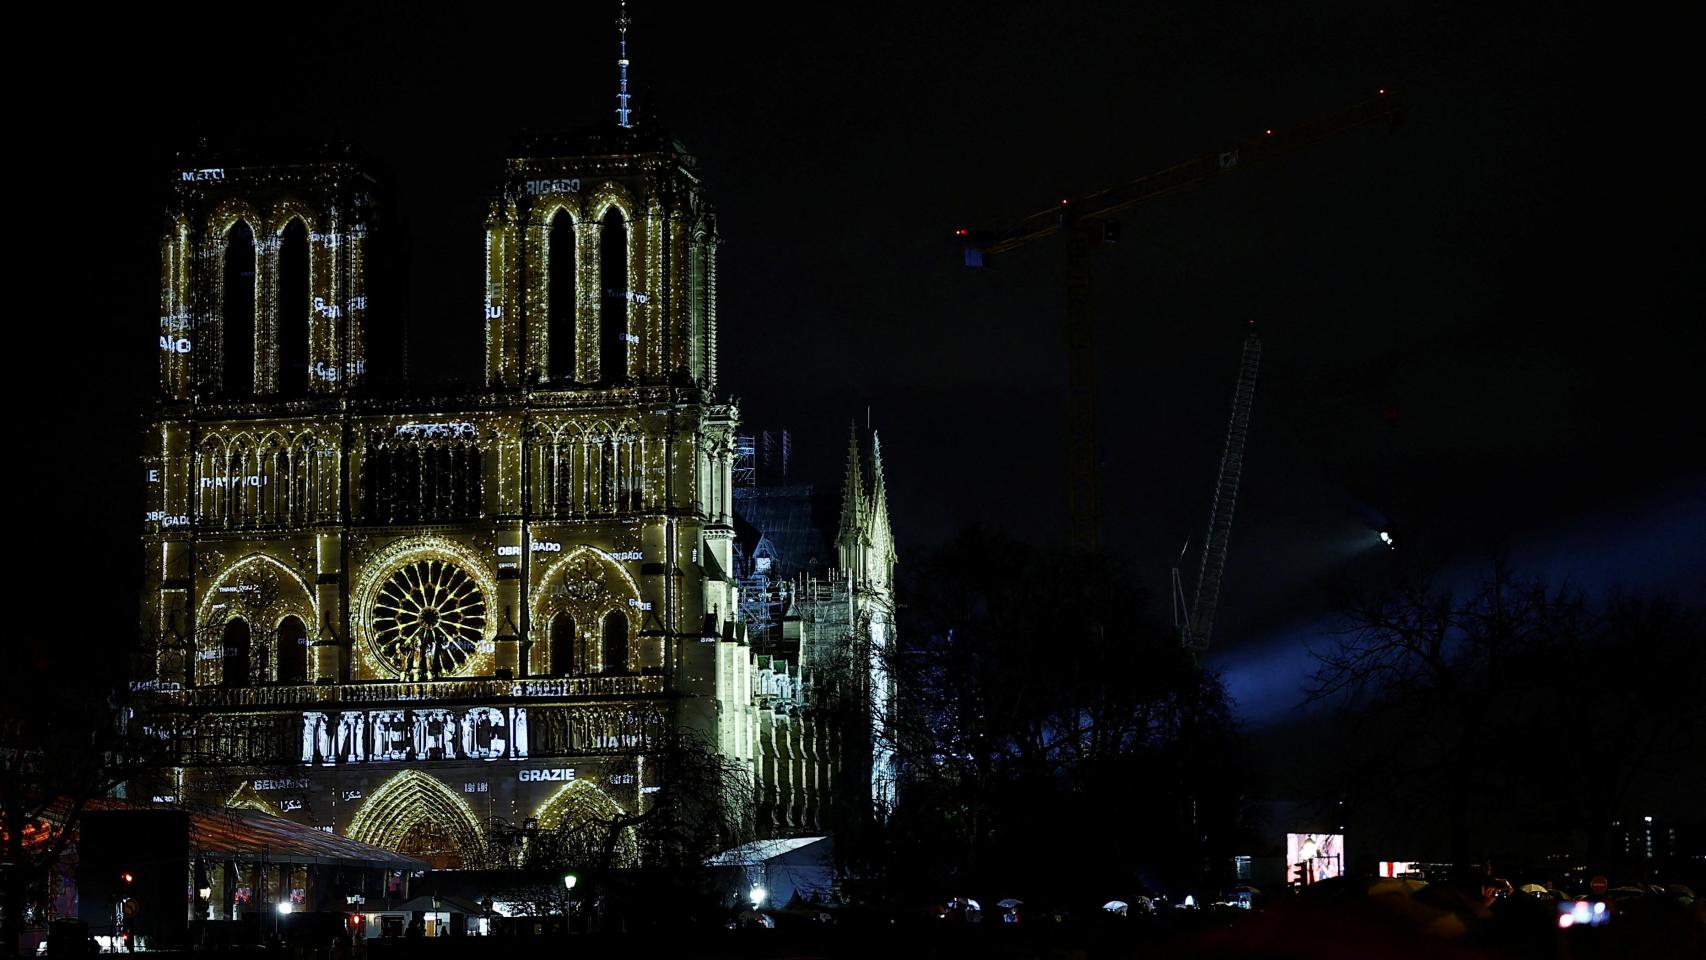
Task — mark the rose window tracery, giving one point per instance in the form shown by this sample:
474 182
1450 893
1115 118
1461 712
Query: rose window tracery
428 618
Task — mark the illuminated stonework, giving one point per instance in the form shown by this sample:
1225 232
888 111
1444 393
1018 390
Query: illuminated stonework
413 809
423 610
442 606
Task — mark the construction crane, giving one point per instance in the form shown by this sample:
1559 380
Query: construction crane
1091 218
1195 621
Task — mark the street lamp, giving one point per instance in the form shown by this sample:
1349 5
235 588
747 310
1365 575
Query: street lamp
569 881
757 893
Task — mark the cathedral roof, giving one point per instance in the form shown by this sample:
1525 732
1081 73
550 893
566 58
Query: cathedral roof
598 140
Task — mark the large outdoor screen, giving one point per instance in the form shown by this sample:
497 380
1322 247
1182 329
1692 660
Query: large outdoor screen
1312 857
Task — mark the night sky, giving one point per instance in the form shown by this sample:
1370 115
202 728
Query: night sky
1481 327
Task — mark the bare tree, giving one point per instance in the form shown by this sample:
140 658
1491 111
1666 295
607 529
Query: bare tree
1455 704
61 750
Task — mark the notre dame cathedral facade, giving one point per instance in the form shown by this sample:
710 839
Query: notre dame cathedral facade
400 616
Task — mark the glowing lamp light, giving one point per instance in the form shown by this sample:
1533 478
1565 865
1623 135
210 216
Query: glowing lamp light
569 881
1386 538
284 907
1268 132
1582 912
757 893
204 892
1565 921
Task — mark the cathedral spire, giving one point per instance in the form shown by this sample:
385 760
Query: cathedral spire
622 23
877 523
852 539
852 494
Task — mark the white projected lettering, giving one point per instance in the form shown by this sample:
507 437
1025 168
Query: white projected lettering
176 321
208 173
632 296
175 344
324 309
457 429
494 311
167 519
383 736
221 483
537 187
288 783
640 604
627 555
331 374
542 776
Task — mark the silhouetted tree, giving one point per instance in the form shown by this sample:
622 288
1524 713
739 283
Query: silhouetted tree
1515 708
1054 737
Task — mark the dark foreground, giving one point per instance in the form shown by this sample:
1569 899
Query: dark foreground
1521 929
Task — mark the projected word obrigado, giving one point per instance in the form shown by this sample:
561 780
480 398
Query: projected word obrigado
383 736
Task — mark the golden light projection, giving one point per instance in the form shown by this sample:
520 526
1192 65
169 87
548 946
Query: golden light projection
579 805
402 587
424 607
429 618
413 809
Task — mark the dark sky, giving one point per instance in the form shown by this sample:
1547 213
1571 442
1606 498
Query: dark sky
1482 327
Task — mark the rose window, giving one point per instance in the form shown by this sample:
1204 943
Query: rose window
428 618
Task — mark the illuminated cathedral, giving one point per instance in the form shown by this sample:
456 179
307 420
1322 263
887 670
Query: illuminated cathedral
403 615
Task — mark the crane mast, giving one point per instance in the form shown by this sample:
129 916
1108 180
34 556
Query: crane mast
1084 221
1196 625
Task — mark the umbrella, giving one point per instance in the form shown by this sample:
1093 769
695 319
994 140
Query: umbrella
1535 889
1009 903
1116 907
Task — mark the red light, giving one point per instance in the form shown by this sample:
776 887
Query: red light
1382 91
126 877
1064 201
960 232
1268 132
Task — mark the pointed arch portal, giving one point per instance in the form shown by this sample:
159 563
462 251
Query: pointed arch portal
416 814
583 809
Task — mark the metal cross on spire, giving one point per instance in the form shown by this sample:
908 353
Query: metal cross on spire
622 22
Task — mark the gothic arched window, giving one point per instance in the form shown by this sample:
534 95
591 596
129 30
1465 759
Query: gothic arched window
565 659
235 656
293 309
613 312
615 642
292 651
560 298
238 333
